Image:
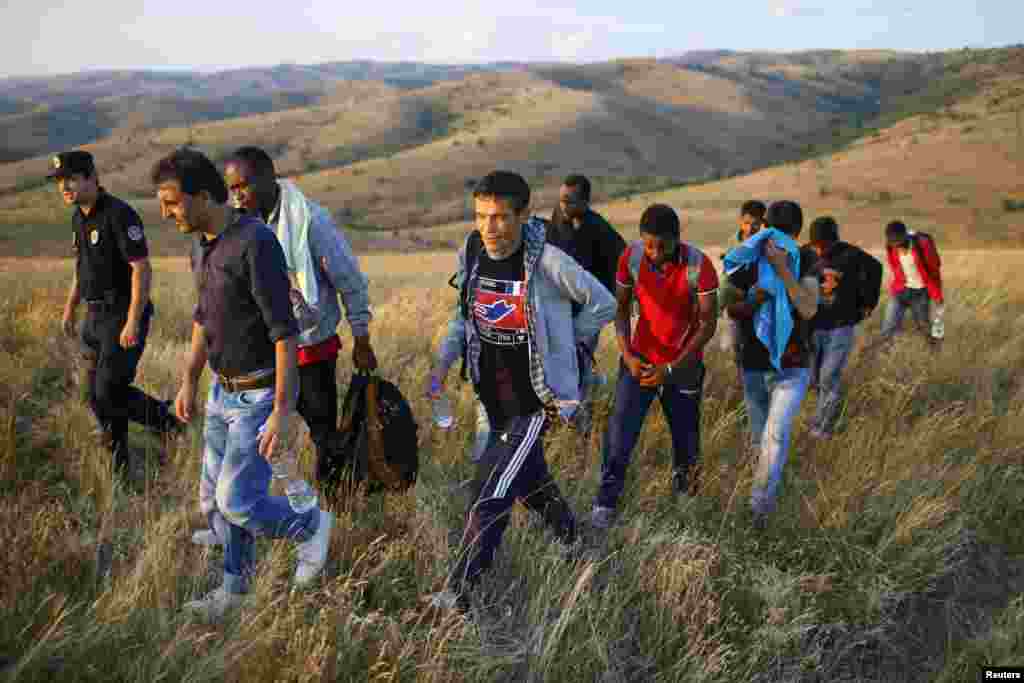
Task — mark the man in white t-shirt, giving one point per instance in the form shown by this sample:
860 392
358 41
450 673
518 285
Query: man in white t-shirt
916 283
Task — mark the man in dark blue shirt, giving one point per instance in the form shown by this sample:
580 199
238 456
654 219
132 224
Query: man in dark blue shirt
244 327
112 276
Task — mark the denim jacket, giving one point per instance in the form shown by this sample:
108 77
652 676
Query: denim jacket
342 278
553 282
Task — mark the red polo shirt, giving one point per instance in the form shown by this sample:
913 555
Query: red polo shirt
667 317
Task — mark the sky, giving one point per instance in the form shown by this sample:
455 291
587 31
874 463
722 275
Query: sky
43 37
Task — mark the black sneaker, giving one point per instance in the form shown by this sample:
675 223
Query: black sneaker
684 483
122 459
759 521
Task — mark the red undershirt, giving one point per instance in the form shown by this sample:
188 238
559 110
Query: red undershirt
316 353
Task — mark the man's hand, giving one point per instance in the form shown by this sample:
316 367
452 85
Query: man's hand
637 366
654 376
276 433
185 402
68 323
363 357
760 296
436 386
130 334
776 256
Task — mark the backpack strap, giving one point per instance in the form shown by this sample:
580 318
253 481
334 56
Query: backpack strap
474 244
636 253
694 262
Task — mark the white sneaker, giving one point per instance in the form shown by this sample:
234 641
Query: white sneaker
313 553
205 537
602 517
214 604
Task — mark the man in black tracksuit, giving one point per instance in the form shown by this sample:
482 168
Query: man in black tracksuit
851 281
112 276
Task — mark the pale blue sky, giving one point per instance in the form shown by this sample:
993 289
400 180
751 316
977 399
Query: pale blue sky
51 36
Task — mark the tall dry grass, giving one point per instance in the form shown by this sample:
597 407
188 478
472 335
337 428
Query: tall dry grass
928 446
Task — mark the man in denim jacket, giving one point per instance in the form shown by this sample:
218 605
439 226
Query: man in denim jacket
514 327
326 270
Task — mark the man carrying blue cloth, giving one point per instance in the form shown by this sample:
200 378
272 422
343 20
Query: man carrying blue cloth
773 297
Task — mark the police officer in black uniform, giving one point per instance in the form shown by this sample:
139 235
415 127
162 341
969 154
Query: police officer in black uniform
112 277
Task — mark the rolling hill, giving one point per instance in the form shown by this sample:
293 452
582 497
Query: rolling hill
392 157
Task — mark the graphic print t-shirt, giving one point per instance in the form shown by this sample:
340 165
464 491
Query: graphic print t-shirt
505 387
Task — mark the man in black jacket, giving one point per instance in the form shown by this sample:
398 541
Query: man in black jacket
586 236
851 281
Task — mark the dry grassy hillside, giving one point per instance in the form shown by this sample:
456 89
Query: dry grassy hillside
399 158
390 159
957 173
895 554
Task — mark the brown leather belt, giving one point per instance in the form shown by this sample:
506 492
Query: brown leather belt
249 382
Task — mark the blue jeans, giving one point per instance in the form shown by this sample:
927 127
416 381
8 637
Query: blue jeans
831 354
681 405
773 401
918 302
234 488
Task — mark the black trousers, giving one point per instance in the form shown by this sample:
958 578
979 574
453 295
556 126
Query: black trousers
511 468
110 371
318 406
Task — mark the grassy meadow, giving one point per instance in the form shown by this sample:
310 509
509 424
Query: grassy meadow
893 555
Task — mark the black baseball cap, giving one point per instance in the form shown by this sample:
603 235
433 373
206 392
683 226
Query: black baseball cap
69 163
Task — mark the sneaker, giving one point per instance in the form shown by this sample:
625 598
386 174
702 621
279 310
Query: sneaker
214 604
819 434
602 517
313 553
759 521
205 537
451 600
123 459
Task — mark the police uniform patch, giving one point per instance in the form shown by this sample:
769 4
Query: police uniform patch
94 237
135 233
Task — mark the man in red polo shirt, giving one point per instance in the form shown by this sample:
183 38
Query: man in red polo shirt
675 288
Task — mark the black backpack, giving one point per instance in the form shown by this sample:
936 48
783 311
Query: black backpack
386 457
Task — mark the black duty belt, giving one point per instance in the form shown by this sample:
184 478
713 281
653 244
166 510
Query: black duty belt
232 385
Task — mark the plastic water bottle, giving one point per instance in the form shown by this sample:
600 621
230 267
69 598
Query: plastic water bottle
938 325
301 496
440 406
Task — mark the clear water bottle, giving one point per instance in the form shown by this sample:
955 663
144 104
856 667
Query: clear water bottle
440 406
938 324
301 496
